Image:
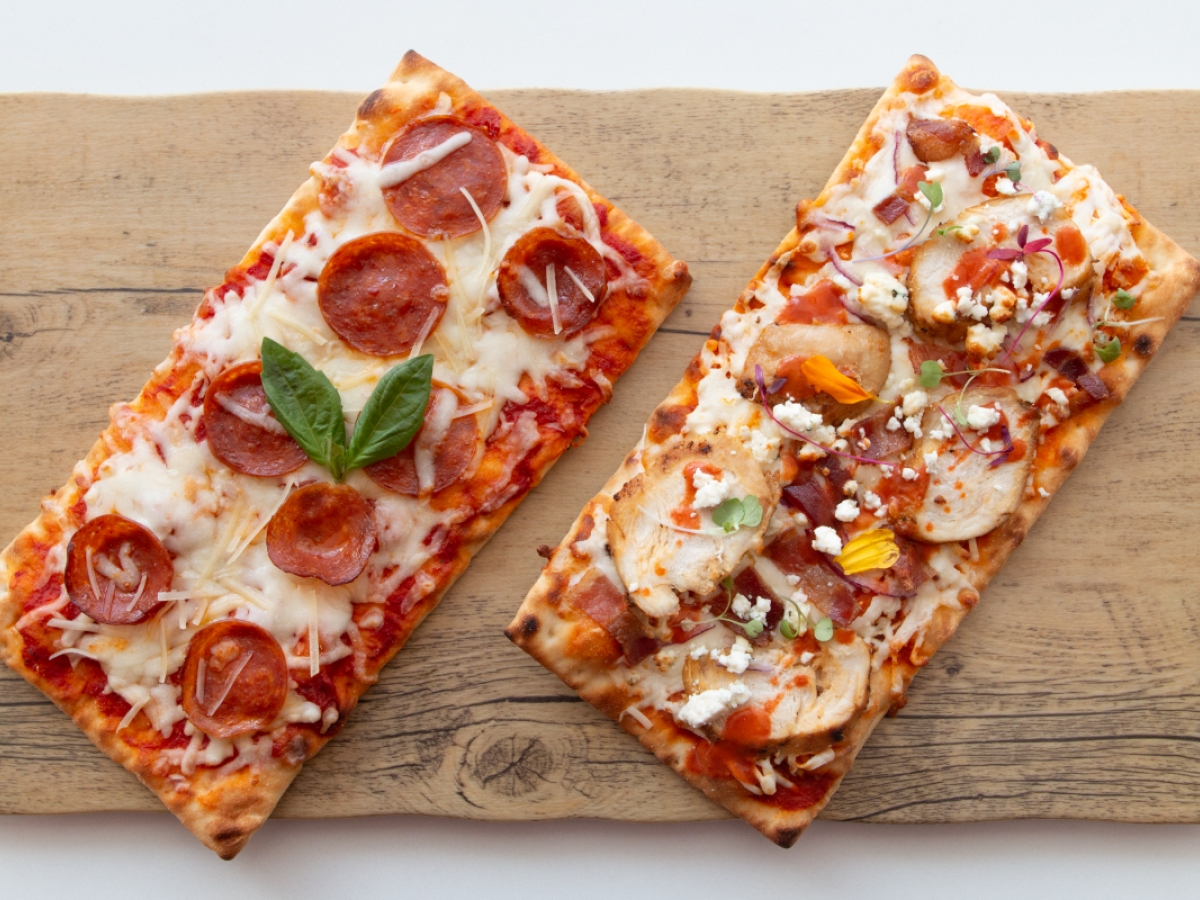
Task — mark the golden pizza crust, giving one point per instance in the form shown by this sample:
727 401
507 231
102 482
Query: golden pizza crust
553 632
225 810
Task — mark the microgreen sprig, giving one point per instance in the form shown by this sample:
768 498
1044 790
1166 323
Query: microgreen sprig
932 373
822 629
309 408
733 513
753 628
1108 352
1123 299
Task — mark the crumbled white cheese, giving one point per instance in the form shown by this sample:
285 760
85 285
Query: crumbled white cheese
806 657
1020 274
846 511
967 305
914 402
981 418
1005 186
710 491
798 417
885 298
985 341
699 652
741 606
1042 492
763 447
738 658
826 540
1042 204
708 704
1056 395
945 313
894 424
850 488
871 500
909 474
762 606
913 425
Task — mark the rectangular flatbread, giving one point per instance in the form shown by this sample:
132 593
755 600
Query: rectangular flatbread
220 579
867 435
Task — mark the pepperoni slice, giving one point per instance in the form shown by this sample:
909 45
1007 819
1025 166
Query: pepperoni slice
242 431
381 291
115 570
324 531
524 272
431 202
445 445
235 679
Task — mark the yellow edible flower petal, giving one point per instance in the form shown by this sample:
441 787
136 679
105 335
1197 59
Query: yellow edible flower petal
875 549
824 376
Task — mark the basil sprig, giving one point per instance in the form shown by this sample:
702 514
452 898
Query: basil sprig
309 407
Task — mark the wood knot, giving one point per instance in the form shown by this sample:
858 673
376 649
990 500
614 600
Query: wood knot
514 766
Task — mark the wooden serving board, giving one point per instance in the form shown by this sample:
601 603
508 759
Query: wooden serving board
1072 691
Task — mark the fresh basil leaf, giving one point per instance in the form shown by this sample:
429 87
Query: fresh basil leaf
729 514
788 630
751 511
753 628
306 404
823 630
932 191
992 156
393 414
1110 351
1124 299
932 373
1013 171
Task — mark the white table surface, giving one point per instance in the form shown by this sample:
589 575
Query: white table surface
158 46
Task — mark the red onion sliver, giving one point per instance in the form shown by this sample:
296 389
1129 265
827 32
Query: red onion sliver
832 256
1062 274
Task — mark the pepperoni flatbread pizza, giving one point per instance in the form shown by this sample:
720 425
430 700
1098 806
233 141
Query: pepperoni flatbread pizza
396 362
866 437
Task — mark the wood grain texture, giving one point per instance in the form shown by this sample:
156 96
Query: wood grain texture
1073 690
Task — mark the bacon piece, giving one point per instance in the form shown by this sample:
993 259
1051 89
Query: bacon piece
820 305
792 552
890 209
607 607
884 443
935 140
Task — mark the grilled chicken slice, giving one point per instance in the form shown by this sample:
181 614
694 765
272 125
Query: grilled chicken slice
967 496
654 517
957 259
861 351
805 704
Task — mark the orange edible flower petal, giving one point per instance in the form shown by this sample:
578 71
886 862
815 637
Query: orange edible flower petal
824 376
875 549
